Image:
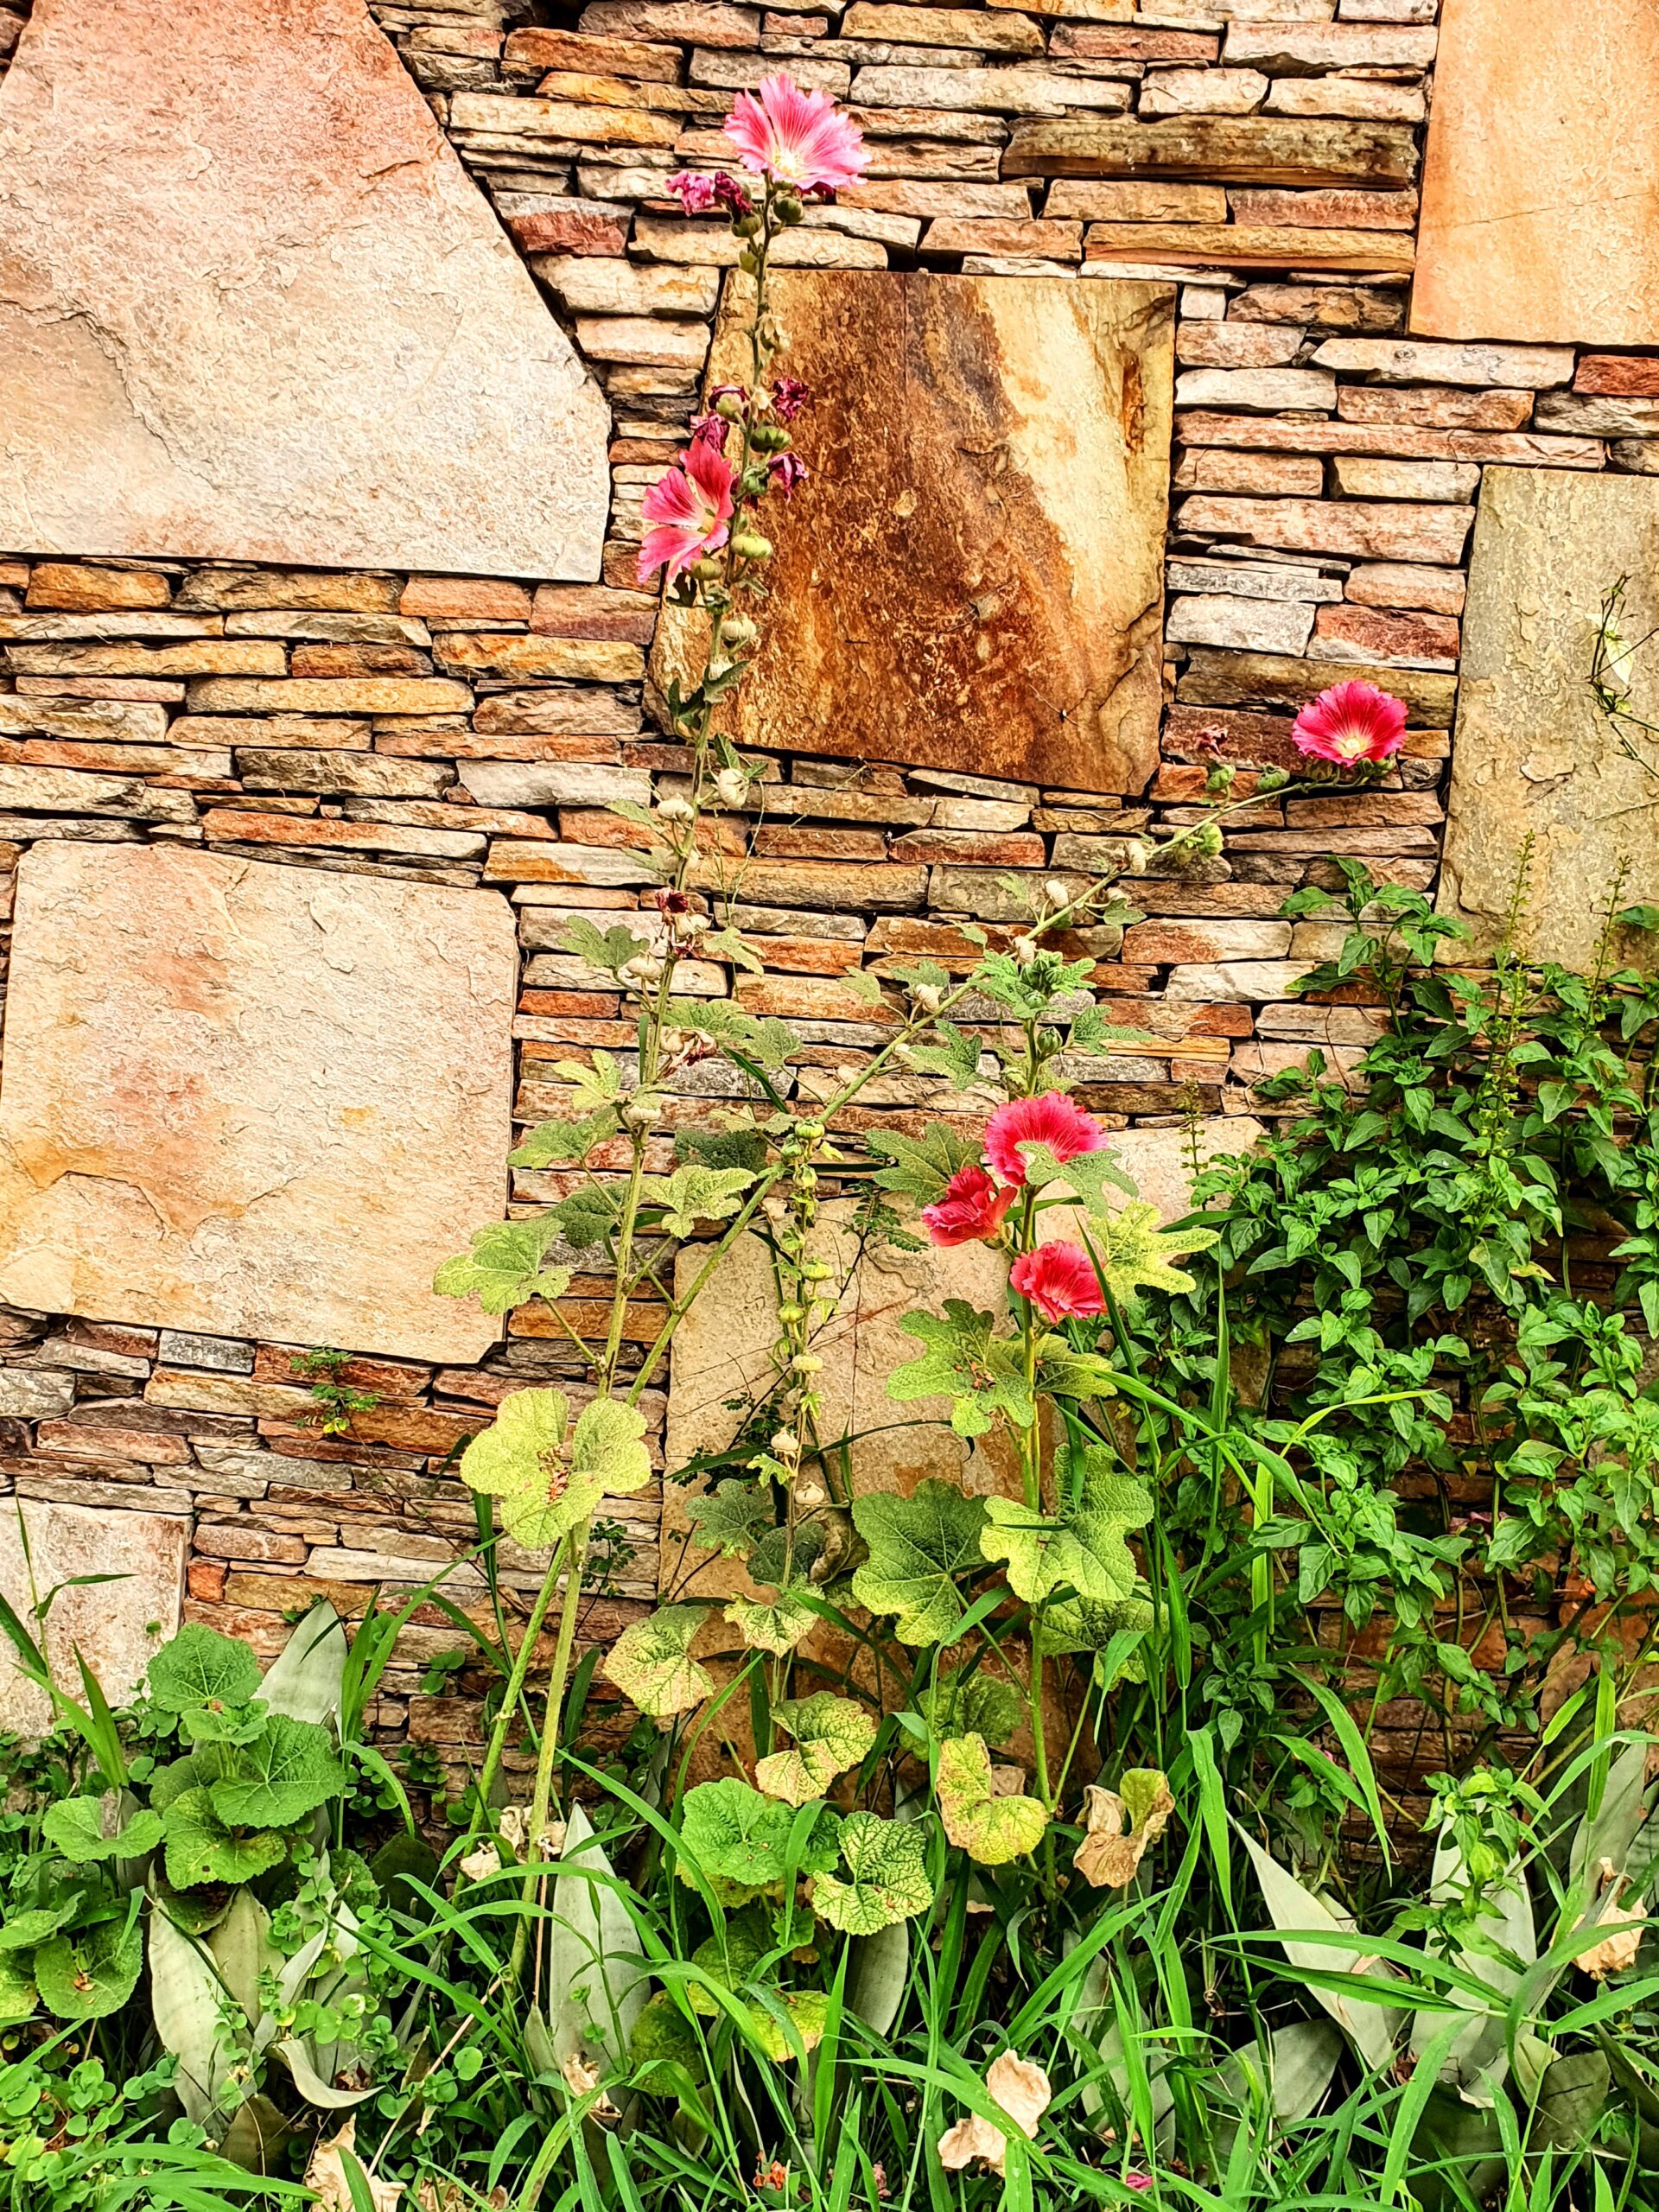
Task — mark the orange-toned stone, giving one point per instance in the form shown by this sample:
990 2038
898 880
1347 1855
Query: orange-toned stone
75 589
1540 189
465 599
356 660
1619 375
1386 634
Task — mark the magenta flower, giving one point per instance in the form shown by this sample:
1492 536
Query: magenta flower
1059 1280
1051 1120
789 396
787 470
695 192
709 430
689 511
970 1212
1138 2181
798 139
1351 722
732 196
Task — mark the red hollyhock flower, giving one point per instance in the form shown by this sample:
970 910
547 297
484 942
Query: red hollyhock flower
789 396
1051 1120
1059 1280
1351 722
687 512
971 1210
787 470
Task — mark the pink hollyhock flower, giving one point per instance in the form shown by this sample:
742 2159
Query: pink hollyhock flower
789 396
1059 1280
1351 722
1051 1120
1138 2181
798 139
695 192
787 470
971 1210
687 512
732 196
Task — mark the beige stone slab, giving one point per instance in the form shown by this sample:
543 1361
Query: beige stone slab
1541 191
1531 752
252 306
252 1100
988 498
115 1625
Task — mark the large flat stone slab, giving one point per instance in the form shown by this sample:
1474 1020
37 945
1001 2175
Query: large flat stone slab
250 1100
971 576
1532 753
1540 189
115 1625
252 308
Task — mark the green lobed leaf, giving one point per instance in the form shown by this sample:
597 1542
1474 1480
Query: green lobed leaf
776 1625
1135 1252
504 1269
1083 1547
288 1771
918 1545
970 1703
730 1517
967 1362
201 1849
82 1829
550 1477
651 1661
730 1831
920 1167
991 1829
695 1193
831 1734
887 1876
561 1143
91 1973
201 1667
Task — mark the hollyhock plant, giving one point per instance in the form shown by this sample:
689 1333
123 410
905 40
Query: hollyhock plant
789 396
971 1211
800 140
1059 1280
694 191
687 512
1051 1120
787 470
1352 723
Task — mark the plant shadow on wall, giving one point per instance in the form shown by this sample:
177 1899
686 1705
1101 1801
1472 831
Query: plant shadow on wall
1230 1793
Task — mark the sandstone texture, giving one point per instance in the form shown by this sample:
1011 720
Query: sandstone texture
1532 754
115 1625
252 307
1540 190
1001 463
252 1100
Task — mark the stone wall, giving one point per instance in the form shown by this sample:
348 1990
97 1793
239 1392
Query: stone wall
321 654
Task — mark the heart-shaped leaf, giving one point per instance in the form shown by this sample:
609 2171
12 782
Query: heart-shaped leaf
201 1667
831 1734
79 1829
651 1663
549 1477
918 1545
990 1828
887 1876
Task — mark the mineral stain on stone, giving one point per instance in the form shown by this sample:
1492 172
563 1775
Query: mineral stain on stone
971 576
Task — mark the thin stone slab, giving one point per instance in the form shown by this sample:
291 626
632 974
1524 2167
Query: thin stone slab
1540 191
252 1101
252 307
115 1625
971 573
1532 753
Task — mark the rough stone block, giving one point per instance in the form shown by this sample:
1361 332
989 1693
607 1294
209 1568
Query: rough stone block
241 1099
116 1625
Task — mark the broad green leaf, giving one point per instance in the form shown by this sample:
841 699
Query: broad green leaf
989 1828
504 1269
765 1041
921 1167
967 1362
1135 1252
970 1702
730 1831
609 950
241 1950
831 1734
80 1829
887 1876
23 1930
187 2004
730 1517
201 1847
1084 1547
693 1193
18 1995
550 1477
91 1973
1089 1174
560 1143
1370 2026
651 1663
1085 1624
776 1626
201 1667
809 2013
305 1679
918 1545
287 1773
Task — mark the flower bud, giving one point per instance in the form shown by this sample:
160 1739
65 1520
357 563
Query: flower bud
675 809
732 786
1025 951
809 1492
787 208
1137 854
708 571
806 1363
768 437
730 405
749 545
928 996
738 630
746 226
1057 892
785 1445
1272 779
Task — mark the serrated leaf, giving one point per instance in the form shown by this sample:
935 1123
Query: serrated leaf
198 1666
588 1214
1083 1547
729 1517
887 1876
831 1733
918 1545
201 1847
91 1974
609 950
504 1269
1089 1174
549 1477
767 1042
721 1148
955 1057
287 1772
730 1831
729 945
1135 1252
695 1193
921 1167
1084 1624
559 1143
990 1829
776 1626
966 1361
651 1663
76 1828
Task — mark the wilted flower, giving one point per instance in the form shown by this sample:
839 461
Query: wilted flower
1615 1954
668 902
709 430
478 1866
1351 722
1021 2088
694 191
1120 1824
675 809
799 139
1050 1120
789 396
731 195
1059 1280
687 512
326 2174
971 1210
787 470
